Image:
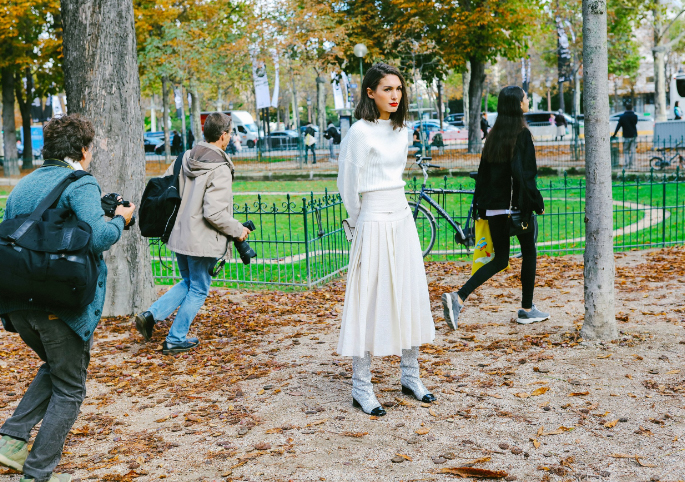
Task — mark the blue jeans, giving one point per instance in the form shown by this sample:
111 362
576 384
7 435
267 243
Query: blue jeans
188 296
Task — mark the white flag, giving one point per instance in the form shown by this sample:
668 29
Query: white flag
337 93
261 84
348 91
56 107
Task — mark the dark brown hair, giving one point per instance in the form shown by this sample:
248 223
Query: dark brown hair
216 124
66 136
367 110
500 142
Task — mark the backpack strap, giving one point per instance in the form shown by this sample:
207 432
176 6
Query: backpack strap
177 167
45 204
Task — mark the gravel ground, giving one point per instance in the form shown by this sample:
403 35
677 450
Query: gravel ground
266 397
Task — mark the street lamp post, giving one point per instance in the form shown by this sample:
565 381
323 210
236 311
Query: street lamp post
309 108
360 51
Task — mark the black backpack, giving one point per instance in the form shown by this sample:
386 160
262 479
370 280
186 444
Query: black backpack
46 256
159 205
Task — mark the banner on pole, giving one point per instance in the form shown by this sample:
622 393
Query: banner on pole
261 84
348 91
564 53
337 93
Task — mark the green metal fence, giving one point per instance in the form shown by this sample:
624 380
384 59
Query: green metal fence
298 243
649 211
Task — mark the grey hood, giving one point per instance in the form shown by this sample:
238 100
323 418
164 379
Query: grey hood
204 158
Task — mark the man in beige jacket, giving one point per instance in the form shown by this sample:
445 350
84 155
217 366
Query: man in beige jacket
203 232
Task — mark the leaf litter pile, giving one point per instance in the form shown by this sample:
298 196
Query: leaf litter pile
265 396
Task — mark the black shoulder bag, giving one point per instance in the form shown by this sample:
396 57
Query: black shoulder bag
46 257
517 222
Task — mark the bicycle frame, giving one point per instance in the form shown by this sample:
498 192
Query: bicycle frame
423 196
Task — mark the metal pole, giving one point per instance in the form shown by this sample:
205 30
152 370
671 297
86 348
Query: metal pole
361 74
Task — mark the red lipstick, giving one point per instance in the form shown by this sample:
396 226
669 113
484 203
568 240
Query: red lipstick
394 104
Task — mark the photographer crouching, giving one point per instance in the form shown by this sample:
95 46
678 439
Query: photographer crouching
57 319
203 232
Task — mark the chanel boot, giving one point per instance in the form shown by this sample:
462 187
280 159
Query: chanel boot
411 383
362 389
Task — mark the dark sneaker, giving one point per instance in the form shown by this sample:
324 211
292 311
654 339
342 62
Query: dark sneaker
189 344
13 452
145 323
532 316
451 309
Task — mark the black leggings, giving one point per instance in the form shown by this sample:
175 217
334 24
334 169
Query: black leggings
499 230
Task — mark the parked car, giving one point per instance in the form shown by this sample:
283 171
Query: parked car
456 120
432 127
286 139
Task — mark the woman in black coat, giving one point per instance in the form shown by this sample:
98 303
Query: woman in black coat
505 186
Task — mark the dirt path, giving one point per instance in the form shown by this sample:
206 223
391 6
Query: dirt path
267 398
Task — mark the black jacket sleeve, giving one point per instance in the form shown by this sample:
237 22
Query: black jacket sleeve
524 171
480 188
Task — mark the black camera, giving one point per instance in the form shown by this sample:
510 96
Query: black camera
109 204
244 249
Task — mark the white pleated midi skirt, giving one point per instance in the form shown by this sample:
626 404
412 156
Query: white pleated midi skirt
387 307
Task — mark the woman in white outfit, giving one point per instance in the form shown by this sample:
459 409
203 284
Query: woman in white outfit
387 307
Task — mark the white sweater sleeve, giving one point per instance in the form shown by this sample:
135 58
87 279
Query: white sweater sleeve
353 152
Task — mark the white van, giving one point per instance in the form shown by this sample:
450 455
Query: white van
243 123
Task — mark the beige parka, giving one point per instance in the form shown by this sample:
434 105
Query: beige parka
205 225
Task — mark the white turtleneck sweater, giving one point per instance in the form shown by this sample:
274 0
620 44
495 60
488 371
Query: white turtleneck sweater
372 158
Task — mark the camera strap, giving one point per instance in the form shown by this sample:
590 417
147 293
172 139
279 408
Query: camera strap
222 261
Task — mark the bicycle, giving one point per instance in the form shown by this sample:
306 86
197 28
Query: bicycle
660 162
424 219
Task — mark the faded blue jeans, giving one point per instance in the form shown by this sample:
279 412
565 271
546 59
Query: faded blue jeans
188 296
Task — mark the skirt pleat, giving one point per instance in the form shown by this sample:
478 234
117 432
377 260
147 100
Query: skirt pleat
387 306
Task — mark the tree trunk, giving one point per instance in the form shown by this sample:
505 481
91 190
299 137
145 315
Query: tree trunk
102 84
466 82
600 321
562 104
9 129
321 107
165 118
475 99
195 111
25 110
660 109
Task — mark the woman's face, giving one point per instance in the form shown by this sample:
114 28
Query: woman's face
87 157
387 95
525 103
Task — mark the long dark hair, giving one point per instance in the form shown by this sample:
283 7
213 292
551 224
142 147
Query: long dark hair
367 110
500 142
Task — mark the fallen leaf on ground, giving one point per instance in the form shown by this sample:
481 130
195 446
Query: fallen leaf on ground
605 356
536 444
539 391
423 431
405 457
472 472
481 460
578 394
354 434
318 422
522 395
558 431
611 424
643 464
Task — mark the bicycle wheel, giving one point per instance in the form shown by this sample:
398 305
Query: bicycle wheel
657 163
426 227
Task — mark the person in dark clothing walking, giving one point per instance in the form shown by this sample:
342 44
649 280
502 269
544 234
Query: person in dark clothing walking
176 144
60 337
561 123
190 138
484 125
628 122
505 185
